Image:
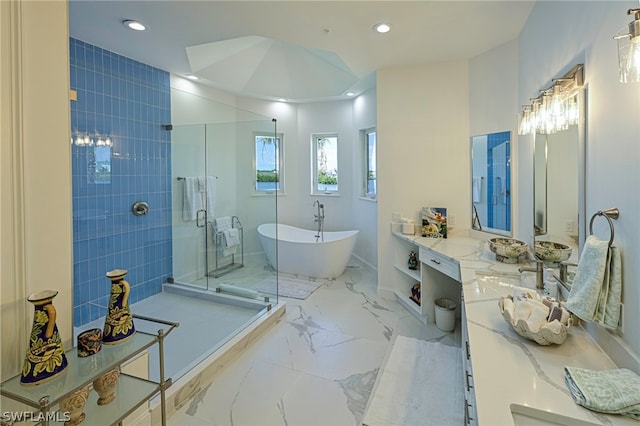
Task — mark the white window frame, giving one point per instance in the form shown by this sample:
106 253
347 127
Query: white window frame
314 164
279 167
364 137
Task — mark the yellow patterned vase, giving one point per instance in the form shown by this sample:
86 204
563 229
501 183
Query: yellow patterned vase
118 325
45 358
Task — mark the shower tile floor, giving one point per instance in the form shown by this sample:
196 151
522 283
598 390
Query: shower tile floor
316 367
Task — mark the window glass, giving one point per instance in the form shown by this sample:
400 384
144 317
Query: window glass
268 163
325 151
370 149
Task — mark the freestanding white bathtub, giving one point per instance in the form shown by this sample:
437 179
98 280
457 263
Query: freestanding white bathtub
299 253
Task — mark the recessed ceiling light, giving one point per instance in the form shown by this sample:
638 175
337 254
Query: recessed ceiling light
134 25
282 99
382 28
192 77
350 94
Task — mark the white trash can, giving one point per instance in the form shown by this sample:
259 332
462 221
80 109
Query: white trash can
445 314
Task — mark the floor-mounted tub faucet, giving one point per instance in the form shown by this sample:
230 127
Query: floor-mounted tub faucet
319 219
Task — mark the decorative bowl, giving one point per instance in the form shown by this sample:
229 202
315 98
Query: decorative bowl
552 253
507 250
546 333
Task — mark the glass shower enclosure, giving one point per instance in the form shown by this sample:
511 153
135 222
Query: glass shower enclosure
216 208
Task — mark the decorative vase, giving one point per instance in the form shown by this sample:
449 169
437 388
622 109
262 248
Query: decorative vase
105 385
74 406
118 325
45 358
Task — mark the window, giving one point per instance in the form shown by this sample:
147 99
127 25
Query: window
370 175
268 163
325 163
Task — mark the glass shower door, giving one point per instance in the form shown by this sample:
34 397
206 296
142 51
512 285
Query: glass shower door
189 217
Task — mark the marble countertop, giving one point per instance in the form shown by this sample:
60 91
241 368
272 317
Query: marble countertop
507 368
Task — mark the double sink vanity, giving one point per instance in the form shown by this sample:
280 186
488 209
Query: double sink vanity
508 380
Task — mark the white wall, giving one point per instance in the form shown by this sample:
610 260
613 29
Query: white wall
35 155
557 36
194 104
364 211
493 107
423 149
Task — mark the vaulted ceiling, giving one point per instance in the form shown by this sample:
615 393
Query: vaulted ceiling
299 50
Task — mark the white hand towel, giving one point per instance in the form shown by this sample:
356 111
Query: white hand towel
477 189
538 316
223 223
191 199
522 310
589 279
231 237
611 309
210 195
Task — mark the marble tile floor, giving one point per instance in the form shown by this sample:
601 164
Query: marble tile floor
316 367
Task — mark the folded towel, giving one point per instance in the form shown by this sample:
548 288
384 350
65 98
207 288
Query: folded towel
589 279
614 391
522 311
223 223
231 237
538 317
191 199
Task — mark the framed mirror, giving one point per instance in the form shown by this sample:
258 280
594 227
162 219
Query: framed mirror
491 183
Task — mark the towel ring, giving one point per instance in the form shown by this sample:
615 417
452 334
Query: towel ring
609 214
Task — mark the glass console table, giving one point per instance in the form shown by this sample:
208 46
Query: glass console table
131 391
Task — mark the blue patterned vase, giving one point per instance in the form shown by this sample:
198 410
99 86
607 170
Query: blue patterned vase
45 358
118 326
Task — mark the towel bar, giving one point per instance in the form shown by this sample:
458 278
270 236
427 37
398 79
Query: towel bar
609 214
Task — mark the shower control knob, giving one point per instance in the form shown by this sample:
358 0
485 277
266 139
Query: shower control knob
140 208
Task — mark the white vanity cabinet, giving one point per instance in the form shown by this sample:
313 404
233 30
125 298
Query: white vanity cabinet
405 278
437 274
470 416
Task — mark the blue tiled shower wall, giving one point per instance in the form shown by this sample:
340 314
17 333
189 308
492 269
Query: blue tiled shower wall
122 103
499 211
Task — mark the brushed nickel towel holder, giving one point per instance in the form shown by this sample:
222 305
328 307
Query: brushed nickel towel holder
612 213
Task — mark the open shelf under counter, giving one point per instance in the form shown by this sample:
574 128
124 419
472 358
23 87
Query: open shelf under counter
411 306
412 273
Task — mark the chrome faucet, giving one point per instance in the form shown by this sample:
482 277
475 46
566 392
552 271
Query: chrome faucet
539 270
319 219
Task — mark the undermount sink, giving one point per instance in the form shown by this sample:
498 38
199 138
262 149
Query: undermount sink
552 253
528 416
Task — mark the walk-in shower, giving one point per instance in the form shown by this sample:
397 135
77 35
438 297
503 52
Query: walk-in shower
217 156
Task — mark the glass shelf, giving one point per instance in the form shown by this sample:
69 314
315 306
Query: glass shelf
131 392
79 373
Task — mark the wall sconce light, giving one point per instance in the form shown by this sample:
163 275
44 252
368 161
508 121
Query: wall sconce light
556 108
87 139
629 50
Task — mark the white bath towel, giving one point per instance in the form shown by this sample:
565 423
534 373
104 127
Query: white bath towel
191 199
477 189
223 223
210 195
231 237
596 275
